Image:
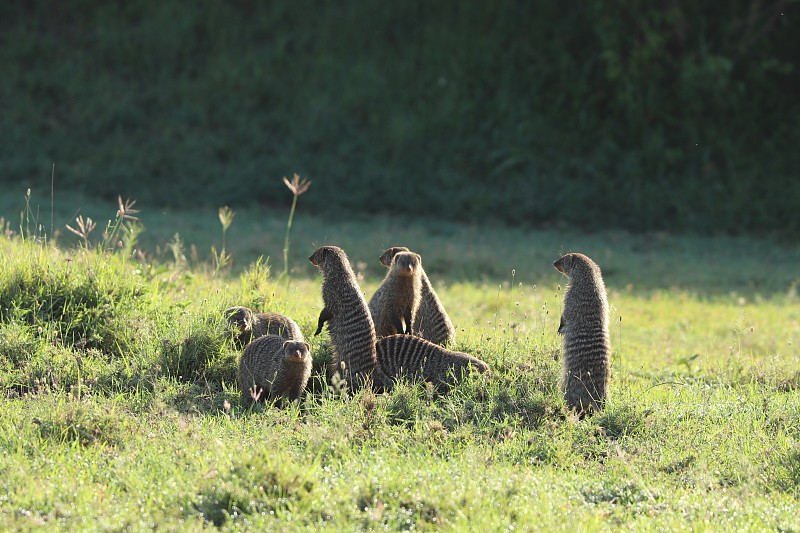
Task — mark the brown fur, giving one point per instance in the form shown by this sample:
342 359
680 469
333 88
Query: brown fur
584 327
274 368
252 325
431 321
394 305
350 326
413 357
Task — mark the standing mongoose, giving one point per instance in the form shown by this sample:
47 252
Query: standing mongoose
394 305
350 326
431 322
252 325
584 327
273 367
410 356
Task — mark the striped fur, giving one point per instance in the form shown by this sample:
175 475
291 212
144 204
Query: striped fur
350 327
252 325
431 321
413 357
275 367
584 327
394 305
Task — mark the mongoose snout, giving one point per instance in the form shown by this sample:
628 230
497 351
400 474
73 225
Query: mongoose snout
407 263
296 352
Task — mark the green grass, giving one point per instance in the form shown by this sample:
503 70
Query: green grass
120 409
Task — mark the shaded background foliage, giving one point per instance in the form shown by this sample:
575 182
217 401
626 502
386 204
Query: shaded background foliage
646 115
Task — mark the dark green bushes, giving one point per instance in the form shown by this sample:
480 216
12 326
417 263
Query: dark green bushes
671 115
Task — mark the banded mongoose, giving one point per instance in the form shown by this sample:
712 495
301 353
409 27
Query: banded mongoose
431 322
395 304
350 326
252 325
273 367
584 327
411 356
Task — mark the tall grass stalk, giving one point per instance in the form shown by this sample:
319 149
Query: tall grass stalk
298 187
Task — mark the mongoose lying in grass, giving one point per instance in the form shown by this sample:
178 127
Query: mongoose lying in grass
431 321
252 325
413 357
394 305
584 327
350 326
273 367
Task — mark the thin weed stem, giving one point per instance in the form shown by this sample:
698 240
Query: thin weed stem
286 239
298 187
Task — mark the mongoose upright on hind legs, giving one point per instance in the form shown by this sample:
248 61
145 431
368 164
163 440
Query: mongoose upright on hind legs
584 327
394 305
273 367
252 325
431 322
350 326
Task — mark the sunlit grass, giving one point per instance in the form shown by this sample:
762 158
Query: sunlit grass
120 409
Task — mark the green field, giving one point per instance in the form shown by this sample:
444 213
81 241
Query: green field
120 409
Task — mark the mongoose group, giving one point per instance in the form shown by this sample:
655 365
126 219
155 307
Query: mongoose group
403 331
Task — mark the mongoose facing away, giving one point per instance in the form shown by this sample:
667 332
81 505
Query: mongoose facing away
431 322
273 367
413 357
350 326
252 325
584 327
394 305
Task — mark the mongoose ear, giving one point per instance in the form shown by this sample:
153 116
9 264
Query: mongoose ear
308 346
419 259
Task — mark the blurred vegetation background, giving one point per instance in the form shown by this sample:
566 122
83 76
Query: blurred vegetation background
673 115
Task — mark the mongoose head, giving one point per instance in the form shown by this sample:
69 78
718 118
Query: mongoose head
406 263
574 262
326 253
388 255
240 317
296 351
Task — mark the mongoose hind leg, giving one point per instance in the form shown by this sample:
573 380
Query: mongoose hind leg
409 320
397 324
